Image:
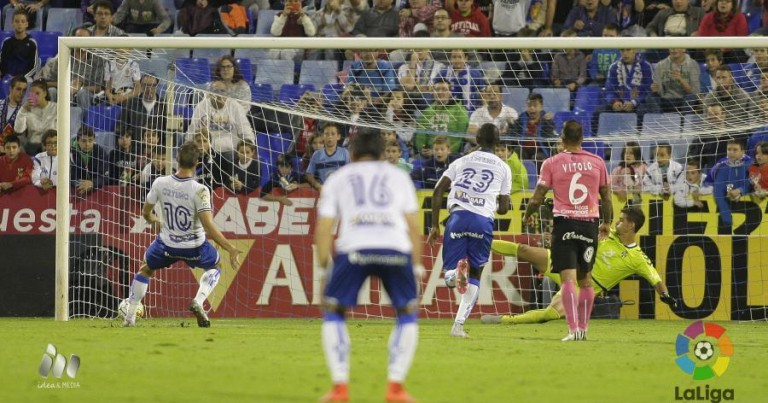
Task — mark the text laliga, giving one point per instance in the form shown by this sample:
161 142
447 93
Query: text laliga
27 220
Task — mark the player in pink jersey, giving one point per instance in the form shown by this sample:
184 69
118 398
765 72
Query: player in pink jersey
576 177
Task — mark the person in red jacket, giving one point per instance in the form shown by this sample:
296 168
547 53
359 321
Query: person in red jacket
726 20
468 20
15 166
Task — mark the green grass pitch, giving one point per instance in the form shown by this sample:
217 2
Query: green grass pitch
267 360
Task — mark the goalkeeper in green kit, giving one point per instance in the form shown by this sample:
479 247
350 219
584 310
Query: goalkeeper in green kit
618 257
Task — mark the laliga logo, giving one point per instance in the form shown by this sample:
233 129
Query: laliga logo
708 340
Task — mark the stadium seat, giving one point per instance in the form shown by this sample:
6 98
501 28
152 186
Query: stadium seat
279 144
533 174
595 147
515 97
154 67
661 123
275 72
290 93
680 148
75 120
332 94
692 122
5 87
102 118
588 99
760 135
318 72
193 71
63 19
212 54
555 99
262 92
584 118
246 69
47 44
617 123
105 140
264 21
754 21
171 53
251 54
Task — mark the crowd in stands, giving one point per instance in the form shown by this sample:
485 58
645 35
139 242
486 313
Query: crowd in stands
435 99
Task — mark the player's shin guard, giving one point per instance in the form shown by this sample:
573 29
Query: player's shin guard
138 290
468 300
207 282
402 347
570 304
336 345
586 299
504 248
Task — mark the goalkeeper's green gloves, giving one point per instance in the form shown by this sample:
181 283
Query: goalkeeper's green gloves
667 299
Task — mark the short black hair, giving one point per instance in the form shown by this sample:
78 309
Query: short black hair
103 4
188 155
85 131
573 133
48 134
635 215
488 135
12 139
367 143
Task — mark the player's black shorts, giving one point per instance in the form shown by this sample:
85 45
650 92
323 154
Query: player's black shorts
574 244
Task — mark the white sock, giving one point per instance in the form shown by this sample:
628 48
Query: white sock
467 303
336 346
209 280
402 347
138 291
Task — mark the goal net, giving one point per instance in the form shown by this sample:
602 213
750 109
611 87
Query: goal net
663 113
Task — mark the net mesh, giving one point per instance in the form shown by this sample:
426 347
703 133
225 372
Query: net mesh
636 107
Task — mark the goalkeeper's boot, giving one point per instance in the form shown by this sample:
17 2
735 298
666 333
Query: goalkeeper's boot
458 331
397 394
337 394
462 271
202 317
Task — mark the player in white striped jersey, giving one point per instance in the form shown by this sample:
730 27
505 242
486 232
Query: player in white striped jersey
375 205
187 218
480 183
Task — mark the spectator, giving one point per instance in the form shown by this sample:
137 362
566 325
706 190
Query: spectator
316 143
228 72
420 70
569 68
382 20
400 113
630 17
508 18
89 169
356 104
418 12
102 12
534 124
210 167
432 168
466 82
628 83
142 16
730 182
306 125
198 17
224 118
726 20
331 21
121 76
145 111
155 168
124 160
245 172
11 106
676 84
682 19
45 170
750 81
493 111
393 152
589 19
18 55
524 68
15 166
150 139
327 160
664 174
291 22
374 72
736 103
87 8
444 115
285 178
36 116
469 21
688 192
709 145
508 153
603 58
627 177
713 58
30 8
758 172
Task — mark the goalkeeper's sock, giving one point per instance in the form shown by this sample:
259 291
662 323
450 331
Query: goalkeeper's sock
505 248
336 345
402 347
207 282
586 299
534 316
138 291
570 304
468 300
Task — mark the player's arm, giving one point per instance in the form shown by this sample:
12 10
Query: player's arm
148 212
437 202
606 205
645 269
416 238
206 219
504 204
534 202
661 288
323 240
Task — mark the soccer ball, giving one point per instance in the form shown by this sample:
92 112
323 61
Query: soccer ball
704 350
122 309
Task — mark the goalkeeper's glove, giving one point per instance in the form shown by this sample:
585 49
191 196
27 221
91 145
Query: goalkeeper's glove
667 299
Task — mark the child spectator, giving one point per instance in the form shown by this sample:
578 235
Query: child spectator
306 126
45 169
535 123
245 172
122 77
285 178
432 169
332 157
389 135
291 22
419 12
627 177
316 143
688 192
758 172
400 112
507 153
209 170
124 162
392 154
155 168
15 167
18 56
730 182
664 174
37 115
11 106
569 68
713 58
89 165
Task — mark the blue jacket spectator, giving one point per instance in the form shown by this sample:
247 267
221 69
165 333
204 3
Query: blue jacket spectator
730 179
629 79
466 82
588 20
373 72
